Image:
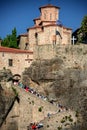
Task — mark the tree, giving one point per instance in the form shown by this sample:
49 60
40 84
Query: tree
82 33
13 39
6 40
10 40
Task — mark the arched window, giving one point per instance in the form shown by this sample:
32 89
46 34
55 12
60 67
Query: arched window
26 46
36 36
42 28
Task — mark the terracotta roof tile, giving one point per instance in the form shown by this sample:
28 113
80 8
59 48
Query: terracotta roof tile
25 34
51 24
12 50
34 27
48 6
36 19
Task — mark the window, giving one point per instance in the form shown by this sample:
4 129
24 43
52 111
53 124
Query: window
10 62
26 46
2 54
36 36
42 28
44 15
50 16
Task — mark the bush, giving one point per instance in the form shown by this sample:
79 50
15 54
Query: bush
60 127
40 109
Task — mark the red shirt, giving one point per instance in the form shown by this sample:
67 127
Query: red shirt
34 127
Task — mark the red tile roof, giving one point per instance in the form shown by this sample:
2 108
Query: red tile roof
51 24
12 50
49 6
34 27
25 34
36 19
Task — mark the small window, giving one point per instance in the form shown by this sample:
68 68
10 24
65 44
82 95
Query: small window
36 35
2 54
26 46
44 15
42 28
50 16
27 56
10 62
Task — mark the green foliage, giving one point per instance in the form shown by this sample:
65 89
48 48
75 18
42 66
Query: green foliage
63 120
33 102
47 126
15 91
84 24
82 33
67 118
16 94
77 113
60 128
70 118
40 109
67 124
10 40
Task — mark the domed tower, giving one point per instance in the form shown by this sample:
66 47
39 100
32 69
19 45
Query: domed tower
49 14
48 29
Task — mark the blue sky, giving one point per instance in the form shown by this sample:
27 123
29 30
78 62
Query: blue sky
20 14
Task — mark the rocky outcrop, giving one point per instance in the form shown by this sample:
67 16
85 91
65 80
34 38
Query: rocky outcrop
7 99
64 78
30 108
5 74
7 96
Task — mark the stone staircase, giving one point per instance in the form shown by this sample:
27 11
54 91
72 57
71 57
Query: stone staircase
34 109
60 121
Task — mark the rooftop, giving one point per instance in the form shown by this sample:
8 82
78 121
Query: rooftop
13 50
49 6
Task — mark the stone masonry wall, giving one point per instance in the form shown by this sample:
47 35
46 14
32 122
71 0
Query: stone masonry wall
20 61
47 34
23 41
72 55
49 14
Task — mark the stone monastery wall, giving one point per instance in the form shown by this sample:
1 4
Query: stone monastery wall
16 62
72 55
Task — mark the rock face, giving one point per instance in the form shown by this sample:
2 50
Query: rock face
5 74
64 77
7 96
30 108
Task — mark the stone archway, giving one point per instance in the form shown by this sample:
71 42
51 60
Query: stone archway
16 78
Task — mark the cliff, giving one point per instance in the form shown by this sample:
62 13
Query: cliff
60 72
7 96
